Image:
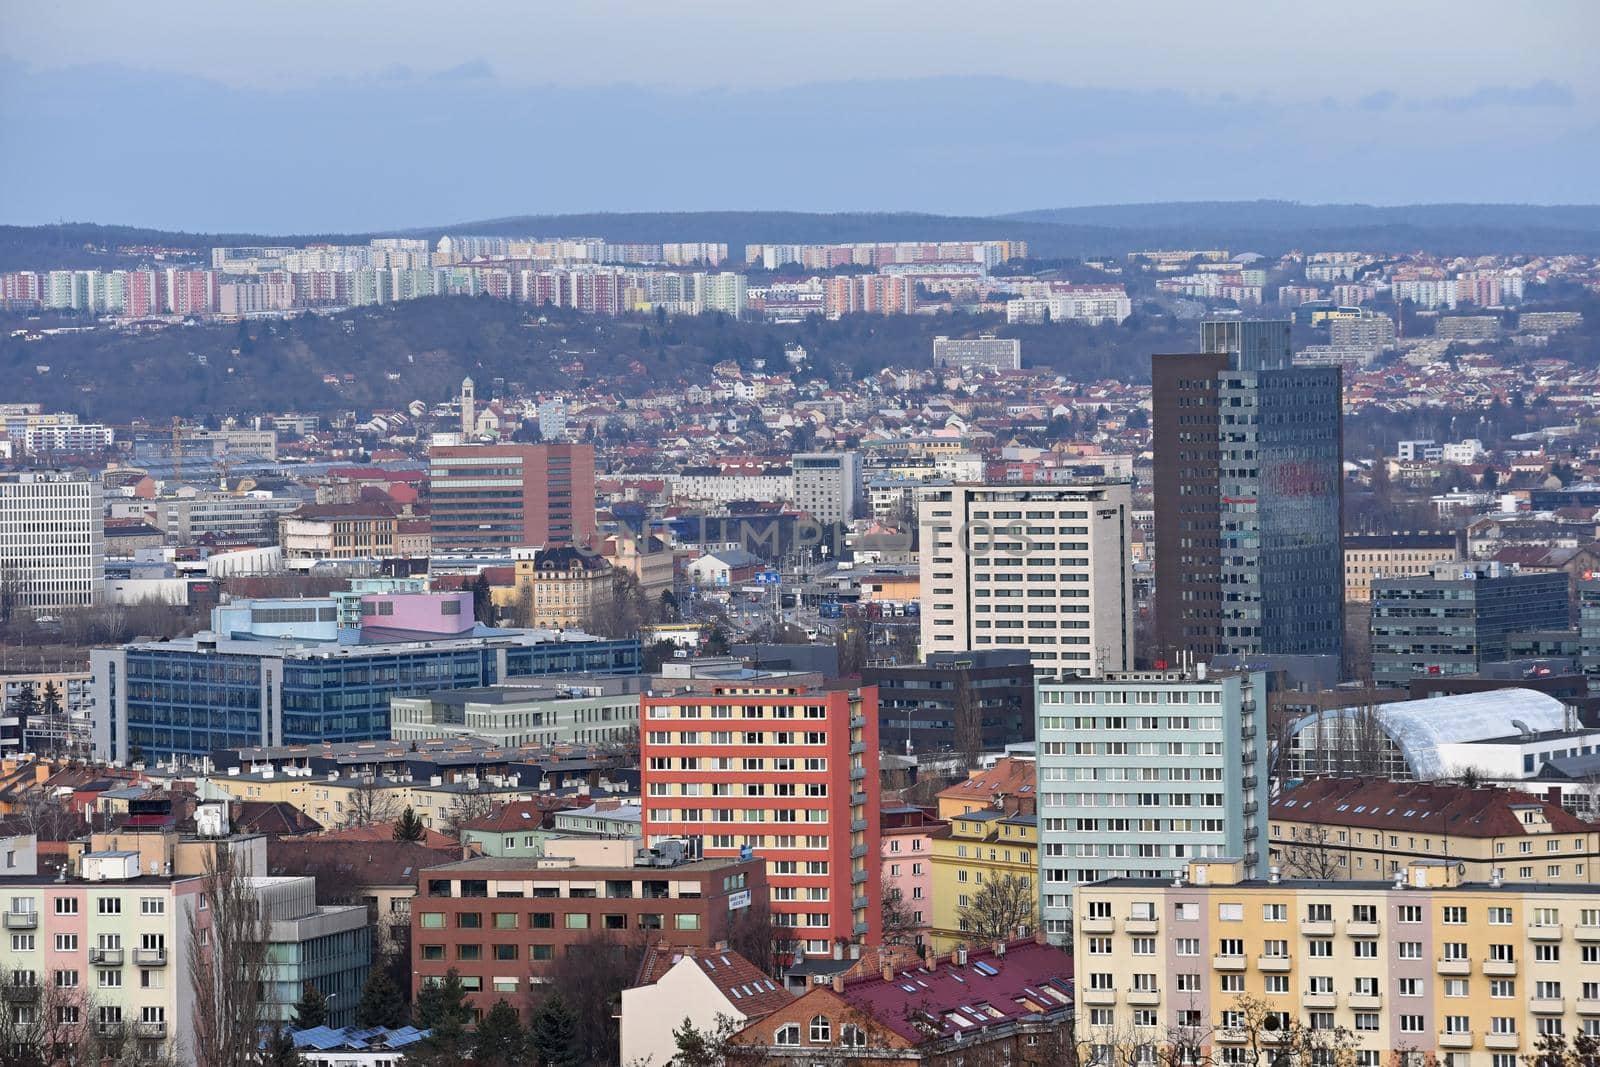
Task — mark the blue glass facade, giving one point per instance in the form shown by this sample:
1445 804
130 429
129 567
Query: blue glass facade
184 701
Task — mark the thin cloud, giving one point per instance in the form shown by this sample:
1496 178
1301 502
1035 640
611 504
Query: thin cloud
1539 94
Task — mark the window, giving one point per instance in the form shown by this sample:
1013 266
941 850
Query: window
66 905
787 1035
852 1036
1455 915
109 905
1455 987
821 1030
1230 912
152 906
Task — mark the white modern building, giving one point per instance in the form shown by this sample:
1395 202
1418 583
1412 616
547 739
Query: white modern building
1042 568
987 352
1141 772
556 710
52 537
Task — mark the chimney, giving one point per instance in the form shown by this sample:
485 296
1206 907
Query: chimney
838 950
888 970
838 982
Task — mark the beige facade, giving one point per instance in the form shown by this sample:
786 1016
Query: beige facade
338 531
1366 558
558 588
1423 963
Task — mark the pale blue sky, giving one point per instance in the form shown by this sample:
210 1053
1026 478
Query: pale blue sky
358 113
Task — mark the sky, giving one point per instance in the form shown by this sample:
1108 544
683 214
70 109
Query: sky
295 115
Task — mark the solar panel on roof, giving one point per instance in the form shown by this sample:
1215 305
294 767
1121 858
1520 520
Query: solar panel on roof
979 965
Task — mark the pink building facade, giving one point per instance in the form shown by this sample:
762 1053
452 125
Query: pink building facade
907 861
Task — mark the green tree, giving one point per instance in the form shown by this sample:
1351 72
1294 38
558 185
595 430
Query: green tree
311 1010
443 1009
499 1040
703 1048
408 827
278 1050
381 1003
482 600
51 703
25 705
553 1034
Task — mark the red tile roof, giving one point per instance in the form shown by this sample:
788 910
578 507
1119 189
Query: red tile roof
988 990
745 985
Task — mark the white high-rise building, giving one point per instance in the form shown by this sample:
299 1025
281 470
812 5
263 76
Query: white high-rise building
827 484
553 419
1042 568
52 538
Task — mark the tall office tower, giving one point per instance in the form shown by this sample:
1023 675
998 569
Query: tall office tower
497 497
52 537
1458 618
1041 568
828 484
1141 772
786 771
1248 489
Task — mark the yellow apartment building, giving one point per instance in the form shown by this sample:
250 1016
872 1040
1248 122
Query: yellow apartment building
976 848
1471 972
1366 828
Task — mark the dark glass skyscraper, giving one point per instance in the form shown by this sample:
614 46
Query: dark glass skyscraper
1248 491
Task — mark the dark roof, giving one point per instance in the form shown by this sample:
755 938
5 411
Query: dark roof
1377 803
393 863
275 817
749 989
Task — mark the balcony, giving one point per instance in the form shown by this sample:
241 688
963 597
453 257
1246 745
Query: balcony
22 920
857 721
1544 931
1250 807
1503 1042
858 903
152 1029
858 877
857 851
1132 925
857 799
858 826
150 957
1228 963
1547 1005
1455 1038
857 773
1453 968
1098 998
1500 968
857 748
106 957
1144 998
1316 927
24 993
1364 1001
1586 933
1319 1000
1362 929
1274 964
1227 1036
1106 925
1588 1006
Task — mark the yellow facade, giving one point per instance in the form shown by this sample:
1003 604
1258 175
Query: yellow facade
344 803
1423 963
978 847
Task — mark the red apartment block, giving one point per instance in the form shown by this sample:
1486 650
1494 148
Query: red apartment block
788 771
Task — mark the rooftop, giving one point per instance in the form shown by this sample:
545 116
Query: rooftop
1457 810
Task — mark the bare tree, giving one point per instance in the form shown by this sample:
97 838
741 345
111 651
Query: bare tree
896 919
999 909
622 611
227 961
590 976
370 802
45 816
968 716
465 808
1309 853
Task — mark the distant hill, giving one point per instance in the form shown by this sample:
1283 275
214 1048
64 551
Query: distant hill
1275 215
1266 226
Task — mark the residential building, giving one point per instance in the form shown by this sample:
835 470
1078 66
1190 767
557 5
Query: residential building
783 771
1456 619
967 702
1370 330
52 538
1248 457
1007 1003
907 864
586 709
978 847
383 881
313 683
604 818
1141 772
1473 971
1369 556
498 497
827 485
62 732
1371 828
247 518
502 922
991 576
558 587
985 352
701 985
648 558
